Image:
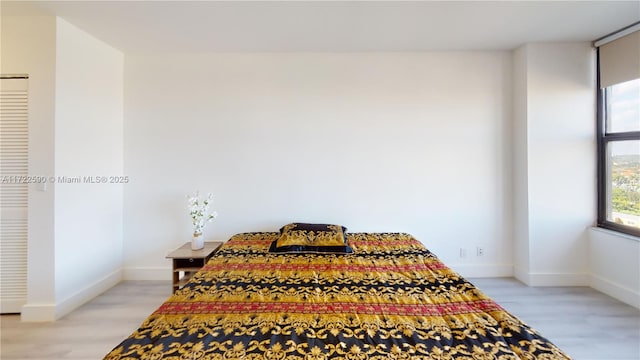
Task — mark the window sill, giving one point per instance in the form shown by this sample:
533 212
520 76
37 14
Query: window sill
616 233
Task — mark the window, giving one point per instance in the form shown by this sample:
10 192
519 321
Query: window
619 130
619 157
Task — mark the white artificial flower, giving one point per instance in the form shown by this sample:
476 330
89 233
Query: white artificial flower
199 211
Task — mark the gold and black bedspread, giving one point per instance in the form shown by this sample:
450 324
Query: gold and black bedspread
390 299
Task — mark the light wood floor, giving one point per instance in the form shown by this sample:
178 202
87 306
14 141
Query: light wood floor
581 321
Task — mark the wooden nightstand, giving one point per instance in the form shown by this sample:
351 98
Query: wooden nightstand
187 262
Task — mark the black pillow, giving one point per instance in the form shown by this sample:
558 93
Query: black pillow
311 238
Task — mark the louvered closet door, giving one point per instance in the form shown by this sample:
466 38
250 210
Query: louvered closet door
14 136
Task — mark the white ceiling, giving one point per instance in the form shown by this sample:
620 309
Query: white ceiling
335 26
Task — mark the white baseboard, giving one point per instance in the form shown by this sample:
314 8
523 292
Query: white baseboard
521 275
559 279
483 271
38 313
617 291
147 273
551 279
52 312
83 296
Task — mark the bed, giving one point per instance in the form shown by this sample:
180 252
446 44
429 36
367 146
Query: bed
387 298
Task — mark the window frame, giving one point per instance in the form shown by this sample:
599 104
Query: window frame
603 139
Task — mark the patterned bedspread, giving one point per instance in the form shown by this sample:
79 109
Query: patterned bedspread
390 299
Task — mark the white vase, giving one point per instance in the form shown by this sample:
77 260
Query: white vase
197 241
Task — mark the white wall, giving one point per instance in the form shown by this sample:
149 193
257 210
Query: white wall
88 143
376 141
560 145
614 261
28 47
75 128
519 145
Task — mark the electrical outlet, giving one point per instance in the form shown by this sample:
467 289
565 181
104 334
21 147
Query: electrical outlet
463 252
479 251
